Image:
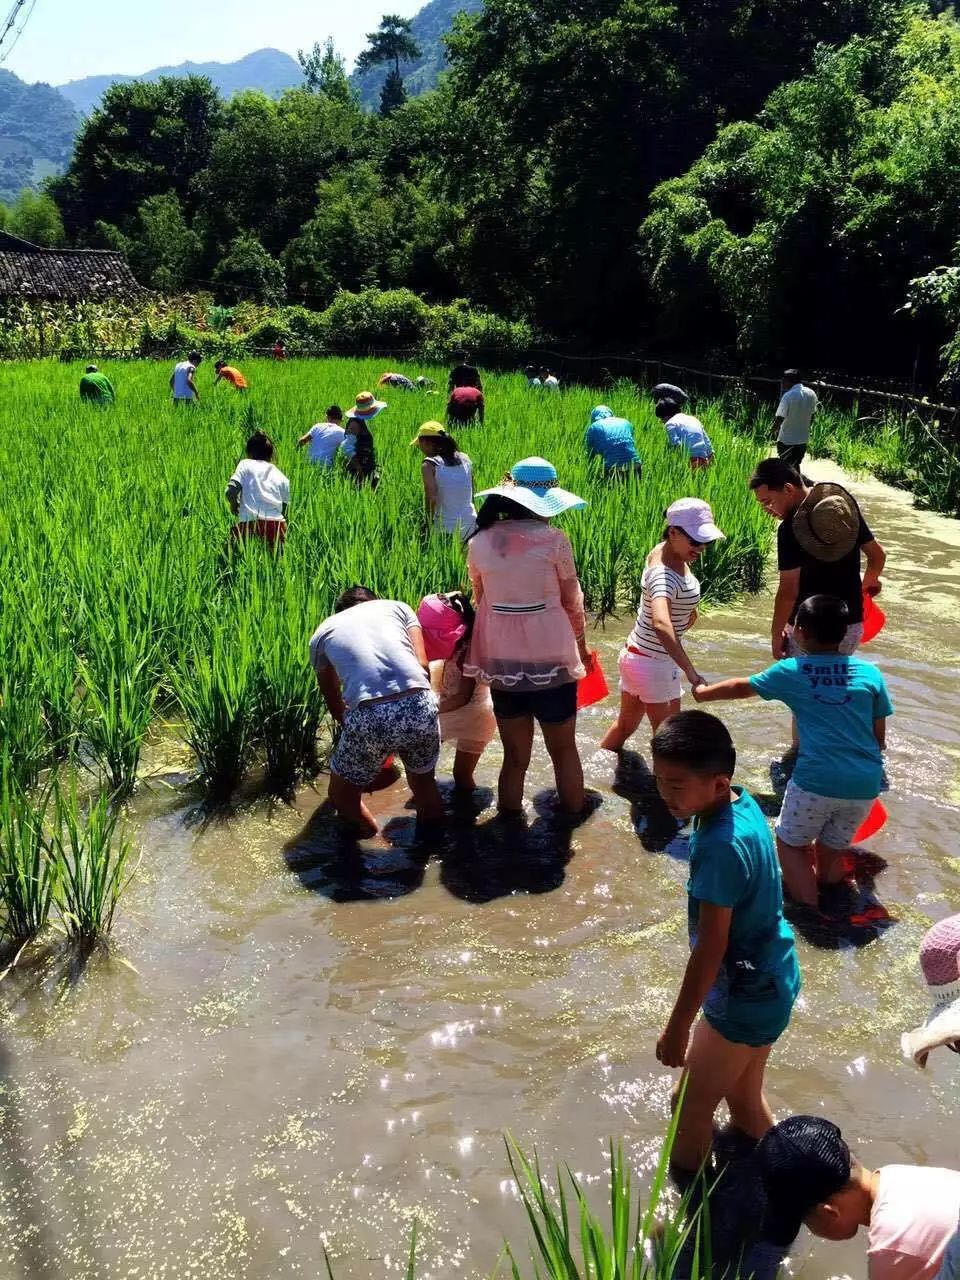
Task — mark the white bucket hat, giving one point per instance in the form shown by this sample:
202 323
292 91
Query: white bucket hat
535 487
695 518
940 962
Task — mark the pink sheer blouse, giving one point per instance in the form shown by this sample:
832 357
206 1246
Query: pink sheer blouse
529 607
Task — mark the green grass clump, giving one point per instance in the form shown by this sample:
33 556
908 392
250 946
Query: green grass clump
26 873
90 864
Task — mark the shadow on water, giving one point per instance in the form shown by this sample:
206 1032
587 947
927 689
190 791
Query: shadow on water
657 829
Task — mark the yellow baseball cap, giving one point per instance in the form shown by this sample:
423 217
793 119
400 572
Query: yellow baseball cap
429 430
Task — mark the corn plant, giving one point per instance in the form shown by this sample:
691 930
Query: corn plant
91 860
26 873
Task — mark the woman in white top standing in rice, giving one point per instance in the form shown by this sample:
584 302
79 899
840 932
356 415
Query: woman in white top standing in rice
654 656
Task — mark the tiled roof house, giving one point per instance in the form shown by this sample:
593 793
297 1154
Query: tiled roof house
30 273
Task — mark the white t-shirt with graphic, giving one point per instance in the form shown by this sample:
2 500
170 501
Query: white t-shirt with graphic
264 490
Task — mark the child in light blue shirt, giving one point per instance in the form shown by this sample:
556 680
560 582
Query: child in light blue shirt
841 704
685 432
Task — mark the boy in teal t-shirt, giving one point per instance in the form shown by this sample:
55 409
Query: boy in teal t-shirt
841 704
743 971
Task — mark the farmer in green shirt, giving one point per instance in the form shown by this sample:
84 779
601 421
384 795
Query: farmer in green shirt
96 387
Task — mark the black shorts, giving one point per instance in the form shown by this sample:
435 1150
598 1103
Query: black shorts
547 706
792 454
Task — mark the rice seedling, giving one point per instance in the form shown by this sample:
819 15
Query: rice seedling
26 873
90 860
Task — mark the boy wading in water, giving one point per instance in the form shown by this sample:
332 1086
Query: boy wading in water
841 706
742 972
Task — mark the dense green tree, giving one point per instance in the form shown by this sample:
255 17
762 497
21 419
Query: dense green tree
247 270
324 71
35 217
391 42
163 250
393 95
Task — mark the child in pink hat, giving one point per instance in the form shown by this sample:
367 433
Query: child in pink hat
940 962
466 708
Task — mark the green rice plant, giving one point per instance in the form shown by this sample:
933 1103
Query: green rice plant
26 873
120 692
24 740
90 859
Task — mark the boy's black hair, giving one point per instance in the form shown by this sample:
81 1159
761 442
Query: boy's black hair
666 408
774 473
352 596
824 619
698 740
260 447
335 412
195 357
791 375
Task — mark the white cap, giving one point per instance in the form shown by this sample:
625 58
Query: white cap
695 518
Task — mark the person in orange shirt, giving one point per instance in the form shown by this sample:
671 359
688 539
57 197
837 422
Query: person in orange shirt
227 373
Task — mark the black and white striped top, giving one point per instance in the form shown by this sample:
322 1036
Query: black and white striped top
683 592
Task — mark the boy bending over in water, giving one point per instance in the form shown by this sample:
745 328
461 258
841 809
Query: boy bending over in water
742 972
841 705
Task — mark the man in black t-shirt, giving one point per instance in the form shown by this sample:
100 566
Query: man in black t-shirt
820 540
464 374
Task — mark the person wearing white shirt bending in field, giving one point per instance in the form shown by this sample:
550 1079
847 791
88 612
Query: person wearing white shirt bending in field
258 494
794 416
325 438
182 380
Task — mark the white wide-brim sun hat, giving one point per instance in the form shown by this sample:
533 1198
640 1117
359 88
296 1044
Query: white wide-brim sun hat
535 487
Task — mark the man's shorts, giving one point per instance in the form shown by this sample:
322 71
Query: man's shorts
849 644
652 680
547 706
792 454
806 817
406 727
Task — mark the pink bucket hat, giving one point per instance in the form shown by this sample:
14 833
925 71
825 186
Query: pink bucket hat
940 962
443 627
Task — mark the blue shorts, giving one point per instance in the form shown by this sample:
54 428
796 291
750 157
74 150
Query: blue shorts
547 706
754 1013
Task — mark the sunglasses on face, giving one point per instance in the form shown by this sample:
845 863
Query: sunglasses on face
693 542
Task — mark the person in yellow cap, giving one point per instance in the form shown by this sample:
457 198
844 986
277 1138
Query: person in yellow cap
447 480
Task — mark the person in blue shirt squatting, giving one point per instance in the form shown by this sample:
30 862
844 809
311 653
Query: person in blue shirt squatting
841 704
610 439
742 971
685 432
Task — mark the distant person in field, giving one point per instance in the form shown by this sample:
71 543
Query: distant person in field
447 480
399 381
372 667
466 405
794 417
279 350
687 433
424 383
183 381
258 495
228 373
325 438
464 374
532 376
96 387
610 439
667 391
551 382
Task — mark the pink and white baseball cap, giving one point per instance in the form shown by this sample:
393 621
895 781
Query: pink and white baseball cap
695 518
940 962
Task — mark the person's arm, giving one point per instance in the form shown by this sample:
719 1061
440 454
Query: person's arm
218 378
780 418
713 932
171 382
419 648
788 589
466 687
304 440
193 386
331 692
482 408
476 581
233 494
663 626
876 558
880 733
724 690
431 494
571 597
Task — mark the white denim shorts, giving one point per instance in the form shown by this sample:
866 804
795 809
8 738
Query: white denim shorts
849 644
805 817
649 679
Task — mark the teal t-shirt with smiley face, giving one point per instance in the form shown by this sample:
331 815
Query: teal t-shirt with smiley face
836 699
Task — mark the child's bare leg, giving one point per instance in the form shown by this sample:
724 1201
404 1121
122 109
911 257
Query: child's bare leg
348 802
426 797
628 722
464 767
831 868
660 711
714 1068
749 1109
799 872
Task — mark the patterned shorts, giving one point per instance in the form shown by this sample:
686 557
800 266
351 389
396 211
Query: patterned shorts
406 727
806 817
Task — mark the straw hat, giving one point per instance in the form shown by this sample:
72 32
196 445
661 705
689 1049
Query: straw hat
367 406
535 487
940 962
827 522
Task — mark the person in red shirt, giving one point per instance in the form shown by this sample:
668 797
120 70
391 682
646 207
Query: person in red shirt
279 350
465 405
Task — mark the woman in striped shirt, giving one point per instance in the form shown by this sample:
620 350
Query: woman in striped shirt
654 656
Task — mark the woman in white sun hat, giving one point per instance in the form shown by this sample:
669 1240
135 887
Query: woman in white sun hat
528 640
654 656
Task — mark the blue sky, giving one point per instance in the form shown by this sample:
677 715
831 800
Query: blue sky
67 39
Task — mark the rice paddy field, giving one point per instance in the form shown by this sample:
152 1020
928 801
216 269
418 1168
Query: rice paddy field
124 615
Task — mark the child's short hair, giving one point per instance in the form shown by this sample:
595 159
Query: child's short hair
824 618
698 740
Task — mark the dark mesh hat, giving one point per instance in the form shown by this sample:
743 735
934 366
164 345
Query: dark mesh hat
803 1162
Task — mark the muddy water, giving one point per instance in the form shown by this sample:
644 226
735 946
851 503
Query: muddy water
311 1045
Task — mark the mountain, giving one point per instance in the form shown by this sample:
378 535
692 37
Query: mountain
37 128
267 69
430 25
